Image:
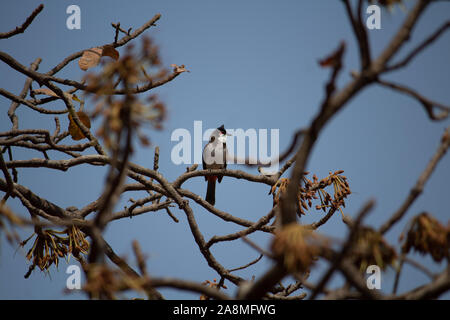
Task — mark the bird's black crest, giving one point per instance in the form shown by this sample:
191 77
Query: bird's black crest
222 129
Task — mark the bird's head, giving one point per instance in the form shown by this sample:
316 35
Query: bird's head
222 134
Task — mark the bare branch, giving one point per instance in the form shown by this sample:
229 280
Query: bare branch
151 208
420 267
427 104
221 214
9 180
188 286
256 247
264 284
426 43
18 100
431 290
24 26
12 109
263 221
38 202
418 187
402 35
151 292
247 265
360 33
119 43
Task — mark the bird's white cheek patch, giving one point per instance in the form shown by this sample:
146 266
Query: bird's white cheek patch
223 139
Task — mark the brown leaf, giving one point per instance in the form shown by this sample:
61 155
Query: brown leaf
179 69
297 247
327 62
144 141
90 58
334 58
74 130
108 50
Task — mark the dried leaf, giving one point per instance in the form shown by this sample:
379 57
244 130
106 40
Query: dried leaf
45 91
50 93
371 248
327 62
428 235
334 58
74 130
179 69
297 247
110 51
90 58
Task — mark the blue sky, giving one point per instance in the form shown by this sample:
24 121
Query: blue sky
253 65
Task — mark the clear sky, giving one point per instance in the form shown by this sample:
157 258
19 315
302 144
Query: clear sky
253 65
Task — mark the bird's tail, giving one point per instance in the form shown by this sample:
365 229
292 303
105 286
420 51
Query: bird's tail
211 190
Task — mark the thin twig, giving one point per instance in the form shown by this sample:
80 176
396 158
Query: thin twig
426 43
418 187
248 264
427 104
24 26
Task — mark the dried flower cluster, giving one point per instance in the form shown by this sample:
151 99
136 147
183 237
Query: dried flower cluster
371 248
316 189
297 247
104 282
50 245
427 235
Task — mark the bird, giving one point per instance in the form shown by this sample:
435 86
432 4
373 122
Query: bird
214 157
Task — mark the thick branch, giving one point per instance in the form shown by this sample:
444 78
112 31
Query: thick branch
360 33
402 35
431 290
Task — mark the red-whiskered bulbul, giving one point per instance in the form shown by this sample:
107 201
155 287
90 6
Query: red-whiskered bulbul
215 157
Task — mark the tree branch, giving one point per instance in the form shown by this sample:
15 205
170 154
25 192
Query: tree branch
418 187
427 42
427 104
24 26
